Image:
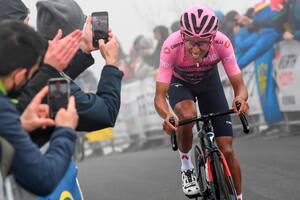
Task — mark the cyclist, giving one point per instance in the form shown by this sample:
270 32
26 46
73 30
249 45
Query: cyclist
188 72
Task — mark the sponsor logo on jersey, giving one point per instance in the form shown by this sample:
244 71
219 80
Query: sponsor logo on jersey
219 41
213 57
229 58
177 45
165 64
167 50
227 44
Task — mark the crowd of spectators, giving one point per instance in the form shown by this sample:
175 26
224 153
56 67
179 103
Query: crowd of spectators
60 48
251 33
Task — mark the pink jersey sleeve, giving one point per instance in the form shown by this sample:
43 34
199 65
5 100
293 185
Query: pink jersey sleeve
227 55
167 60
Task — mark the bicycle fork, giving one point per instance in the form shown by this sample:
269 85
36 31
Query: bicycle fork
224 163
227 173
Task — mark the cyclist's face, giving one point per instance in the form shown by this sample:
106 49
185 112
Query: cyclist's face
197 47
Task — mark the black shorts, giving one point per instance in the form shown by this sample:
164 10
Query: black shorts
210 96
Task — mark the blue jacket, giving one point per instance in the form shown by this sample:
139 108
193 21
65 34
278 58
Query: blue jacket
268 18
34 171
259 45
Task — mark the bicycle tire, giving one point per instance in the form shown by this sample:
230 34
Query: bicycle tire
221 190
200 170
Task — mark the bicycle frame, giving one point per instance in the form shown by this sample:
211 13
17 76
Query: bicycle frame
209 158
208 145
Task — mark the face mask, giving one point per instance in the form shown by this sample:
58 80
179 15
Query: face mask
16 90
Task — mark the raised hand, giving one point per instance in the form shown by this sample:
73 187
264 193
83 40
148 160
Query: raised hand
110 50
87 41
61 50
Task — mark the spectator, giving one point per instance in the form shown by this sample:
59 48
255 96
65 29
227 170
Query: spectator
175 26
20 50
293 20
267 31
231 26
246 37
221 19
137 67
160 34
14 10
96 111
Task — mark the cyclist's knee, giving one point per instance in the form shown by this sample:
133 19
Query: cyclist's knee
183 113
228 152
186 110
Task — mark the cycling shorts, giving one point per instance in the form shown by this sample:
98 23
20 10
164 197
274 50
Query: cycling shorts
210 96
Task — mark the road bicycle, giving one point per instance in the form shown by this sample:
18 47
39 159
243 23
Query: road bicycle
213 174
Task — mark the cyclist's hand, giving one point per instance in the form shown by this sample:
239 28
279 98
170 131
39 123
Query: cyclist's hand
167 126
244 105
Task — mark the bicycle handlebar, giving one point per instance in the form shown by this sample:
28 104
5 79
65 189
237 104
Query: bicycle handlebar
204 117
173 136
242 117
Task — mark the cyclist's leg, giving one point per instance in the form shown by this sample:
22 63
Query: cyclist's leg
214 100
182 102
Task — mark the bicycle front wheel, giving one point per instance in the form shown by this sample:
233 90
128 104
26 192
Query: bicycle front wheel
200 170
220 186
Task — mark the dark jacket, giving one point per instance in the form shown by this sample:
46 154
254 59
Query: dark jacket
96 111
294 17
34 171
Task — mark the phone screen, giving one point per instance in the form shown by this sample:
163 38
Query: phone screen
100 27
58 95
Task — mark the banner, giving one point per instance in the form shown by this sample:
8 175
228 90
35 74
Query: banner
130 115
68 188
137 115
288 76
266 87
249 80
152 121
251 84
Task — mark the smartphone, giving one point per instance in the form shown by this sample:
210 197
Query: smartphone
58 95
100 27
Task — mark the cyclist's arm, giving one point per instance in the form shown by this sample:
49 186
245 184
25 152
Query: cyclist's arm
234 73
160 102
240 90
164 76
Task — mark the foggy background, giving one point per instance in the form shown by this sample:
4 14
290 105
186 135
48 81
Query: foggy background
142 169
130 18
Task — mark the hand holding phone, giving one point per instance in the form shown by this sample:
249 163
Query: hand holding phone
110 50
68 117
100 27
36 114
58 95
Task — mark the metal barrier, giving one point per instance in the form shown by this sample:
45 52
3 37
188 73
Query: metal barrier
138 123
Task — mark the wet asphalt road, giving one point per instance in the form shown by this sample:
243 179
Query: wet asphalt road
270 166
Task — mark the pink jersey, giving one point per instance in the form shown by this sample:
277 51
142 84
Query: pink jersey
175 61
